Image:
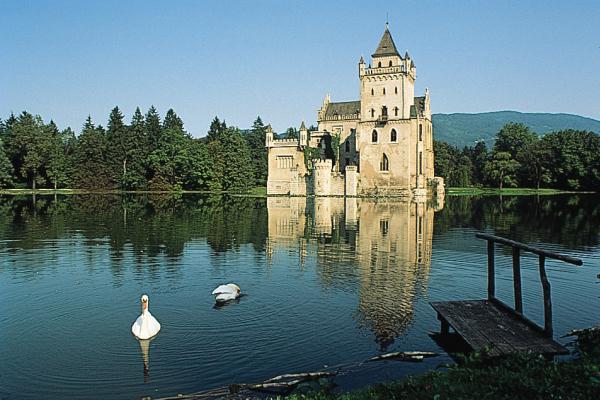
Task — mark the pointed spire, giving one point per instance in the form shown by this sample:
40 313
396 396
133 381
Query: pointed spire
362 60
386 45
406 55
302 126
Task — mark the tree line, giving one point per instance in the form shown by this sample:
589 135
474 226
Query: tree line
150 154
146 154
567 159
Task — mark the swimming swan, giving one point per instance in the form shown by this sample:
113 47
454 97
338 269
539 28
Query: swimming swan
145 326
224 293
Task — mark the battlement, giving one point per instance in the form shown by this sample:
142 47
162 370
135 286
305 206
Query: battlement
323 164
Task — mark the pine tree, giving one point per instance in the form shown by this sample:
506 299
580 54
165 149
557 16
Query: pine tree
6 168
90 156
258 152
153 128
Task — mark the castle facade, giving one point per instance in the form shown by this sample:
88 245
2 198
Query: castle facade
380 145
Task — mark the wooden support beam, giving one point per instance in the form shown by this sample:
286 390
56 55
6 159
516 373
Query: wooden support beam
491 272
516 253
548 330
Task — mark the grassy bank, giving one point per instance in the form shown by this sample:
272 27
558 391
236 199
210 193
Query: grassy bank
476 191
254 192
521 376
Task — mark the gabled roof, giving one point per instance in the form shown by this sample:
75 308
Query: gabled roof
346 108
386 46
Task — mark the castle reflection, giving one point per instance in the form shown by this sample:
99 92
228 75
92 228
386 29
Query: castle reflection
382 249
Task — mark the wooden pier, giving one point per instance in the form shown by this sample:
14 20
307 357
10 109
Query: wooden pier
493 325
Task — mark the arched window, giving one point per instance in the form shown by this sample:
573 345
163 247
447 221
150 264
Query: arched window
395 111
374 136
393 136
372 113
383 90
390 63
347 146
379 64
384 165
396 90
372 92
384 111
420 132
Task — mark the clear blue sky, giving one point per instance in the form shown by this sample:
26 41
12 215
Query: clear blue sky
277 59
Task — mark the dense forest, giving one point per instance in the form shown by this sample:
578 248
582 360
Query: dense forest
146 154
150 154
566 159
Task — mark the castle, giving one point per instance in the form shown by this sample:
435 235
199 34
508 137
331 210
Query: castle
381 145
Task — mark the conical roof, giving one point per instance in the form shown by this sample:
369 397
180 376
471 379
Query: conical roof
386 46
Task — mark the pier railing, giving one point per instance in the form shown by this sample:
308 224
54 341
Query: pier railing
517 247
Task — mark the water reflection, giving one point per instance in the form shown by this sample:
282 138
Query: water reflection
145 348
382 247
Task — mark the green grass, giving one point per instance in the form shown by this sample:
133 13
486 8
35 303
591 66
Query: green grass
474 191
259 191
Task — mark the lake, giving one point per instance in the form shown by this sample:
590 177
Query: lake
327 283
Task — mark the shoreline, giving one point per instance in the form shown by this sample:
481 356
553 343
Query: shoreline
260 192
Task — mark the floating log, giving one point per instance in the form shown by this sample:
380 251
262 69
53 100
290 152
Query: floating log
577 332
404 356
303 376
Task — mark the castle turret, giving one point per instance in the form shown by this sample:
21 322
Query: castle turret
269 136
303 135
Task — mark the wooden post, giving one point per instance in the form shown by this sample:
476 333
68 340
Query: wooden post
516 252
491 281
548 331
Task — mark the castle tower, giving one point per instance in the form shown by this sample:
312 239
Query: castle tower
387 86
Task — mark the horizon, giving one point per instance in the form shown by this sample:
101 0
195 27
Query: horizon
237 61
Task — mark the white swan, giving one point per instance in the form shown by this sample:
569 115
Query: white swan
145 326
224 293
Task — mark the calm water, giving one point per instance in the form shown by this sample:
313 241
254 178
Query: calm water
327 283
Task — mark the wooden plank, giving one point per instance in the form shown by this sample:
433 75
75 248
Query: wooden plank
483 324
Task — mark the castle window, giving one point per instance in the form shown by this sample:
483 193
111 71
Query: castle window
395 111
284 162
347 146
393 136
384 165
420 163
379 64
383 90
420 132
384 111
374 136
372 113
396 90
390 63
372 92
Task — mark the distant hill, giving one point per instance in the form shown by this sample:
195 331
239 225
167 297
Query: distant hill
462 129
